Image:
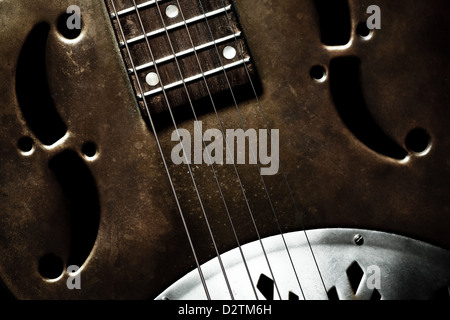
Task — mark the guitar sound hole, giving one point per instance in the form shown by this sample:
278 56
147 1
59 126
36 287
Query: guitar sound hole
355 275
348 97
418 141
293 296
375 295
89 149
318 73
332 294
363 31
80 191
64 29
50 266
32 89
26 145
335 22
266 286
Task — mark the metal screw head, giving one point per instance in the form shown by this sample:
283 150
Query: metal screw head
358 239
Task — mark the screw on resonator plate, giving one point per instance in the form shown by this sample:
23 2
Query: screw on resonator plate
358 239
345 267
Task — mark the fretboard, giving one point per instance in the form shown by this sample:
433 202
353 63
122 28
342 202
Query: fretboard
182 52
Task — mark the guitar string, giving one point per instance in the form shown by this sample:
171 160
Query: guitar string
204 143
298 215
251 149
176 127
147 109
221 126
194 113
179 69
223 270
173 51
227 146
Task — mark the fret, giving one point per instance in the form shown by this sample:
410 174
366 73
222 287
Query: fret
190 59
132 9
195 77
153 20
189 66
177 25
187 52
180 40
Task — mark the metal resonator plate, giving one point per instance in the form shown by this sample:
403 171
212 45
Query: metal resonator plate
353 264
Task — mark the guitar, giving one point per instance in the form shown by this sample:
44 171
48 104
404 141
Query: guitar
224 150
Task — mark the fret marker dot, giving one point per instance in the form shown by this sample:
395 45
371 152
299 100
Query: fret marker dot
172 11
152 79
229 52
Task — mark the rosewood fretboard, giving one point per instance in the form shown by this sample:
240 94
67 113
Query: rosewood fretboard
185 51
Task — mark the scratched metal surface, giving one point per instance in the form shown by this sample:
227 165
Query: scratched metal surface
141 247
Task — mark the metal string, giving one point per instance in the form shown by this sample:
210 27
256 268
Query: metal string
273 210
147 109
173 51
259 104
251 149
204 143
179 69
227 145
174 122
298 215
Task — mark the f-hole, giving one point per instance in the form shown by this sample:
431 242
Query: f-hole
81 194
32 88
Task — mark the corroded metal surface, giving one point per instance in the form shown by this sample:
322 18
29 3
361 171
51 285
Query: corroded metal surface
337 181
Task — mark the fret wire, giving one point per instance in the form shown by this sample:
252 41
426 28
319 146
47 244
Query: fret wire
194 78
253 153
131 9
205 146
188 51
280 164
182 81
197 77
202 278
175 125
175 25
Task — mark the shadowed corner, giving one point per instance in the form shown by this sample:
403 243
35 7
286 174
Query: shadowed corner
5 294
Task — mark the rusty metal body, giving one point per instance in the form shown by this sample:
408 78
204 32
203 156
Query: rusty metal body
141 246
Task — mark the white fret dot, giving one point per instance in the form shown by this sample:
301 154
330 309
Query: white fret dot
172 11
152 79
229 52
